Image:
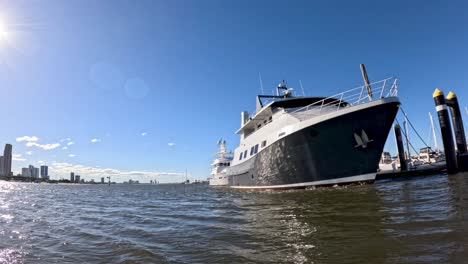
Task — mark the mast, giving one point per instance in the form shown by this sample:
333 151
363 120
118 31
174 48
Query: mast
261 82
433 133
302 88
222 146
405 124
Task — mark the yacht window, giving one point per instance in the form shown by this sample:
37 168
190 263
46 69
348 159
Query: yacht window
252 151
240 157
256 149
281 134
263 143
245 154
259 125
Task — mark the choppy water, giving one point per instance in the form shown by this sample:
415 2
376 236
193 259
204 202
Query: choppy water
423 220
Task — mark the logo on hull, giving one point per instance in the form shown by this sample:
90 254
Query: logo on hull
362 140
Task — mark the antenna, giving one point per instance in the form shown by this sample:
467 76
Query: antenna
302 88
433 133
261 82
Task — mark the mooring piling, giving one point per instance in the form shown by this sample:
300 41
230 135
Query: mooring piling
460 139
446 131
458 129
401 149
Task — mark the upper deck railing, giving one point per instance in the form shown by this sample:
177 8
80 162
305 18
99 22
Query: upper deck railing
359 95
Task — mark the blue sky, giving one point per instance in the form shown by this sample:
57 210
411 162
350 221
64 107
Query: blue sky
182 71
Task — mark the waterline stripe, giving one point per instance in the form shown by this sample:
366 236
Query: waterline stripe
358 178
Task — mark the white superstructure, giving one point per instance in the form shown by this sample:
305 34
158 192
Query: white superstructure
219 165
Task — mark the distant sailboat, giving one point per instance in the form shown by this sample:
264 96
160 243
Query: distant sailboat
436 147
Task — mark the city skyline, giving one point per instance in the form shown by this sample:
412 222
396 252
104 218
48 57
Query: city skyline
145 90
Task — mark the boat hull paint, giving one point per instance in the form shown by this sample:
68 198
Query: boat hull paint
325 151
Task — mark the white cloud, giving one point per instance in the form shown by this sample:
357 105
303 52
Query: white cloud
88 171
18 157
41 162
43 146
27 139
144 134
171 144
65 148
70 143
71 155
95 140
65 139
29 152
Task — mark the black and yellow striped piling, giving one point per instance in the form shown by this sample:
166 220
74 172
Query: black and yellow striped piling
457 121
458 129
401 150
446 131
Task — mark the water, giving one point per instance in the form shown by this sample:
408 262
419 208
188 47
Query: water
422 220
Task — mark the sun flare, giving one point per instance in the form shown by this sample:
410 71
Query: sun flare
3 31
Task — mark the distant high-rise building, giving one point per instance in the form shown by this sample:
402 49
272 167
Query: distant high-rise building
33 171
72 177
1 165
102 180
44 172
77 178
7 158
25 172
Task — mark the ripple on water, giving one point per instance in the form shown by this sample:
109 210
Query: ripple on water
421 220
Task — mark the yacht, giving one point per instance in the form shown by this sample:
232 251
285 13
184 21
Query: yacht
387 163
427 155
219 165
304 142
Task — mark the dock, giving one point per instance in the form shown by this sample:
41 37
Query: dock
425 171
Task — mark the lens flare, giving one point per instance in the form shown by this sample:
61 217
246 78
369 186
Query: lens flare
3 31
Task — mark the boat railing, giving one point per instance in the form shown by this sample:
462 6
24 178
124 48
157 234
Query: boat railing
359 95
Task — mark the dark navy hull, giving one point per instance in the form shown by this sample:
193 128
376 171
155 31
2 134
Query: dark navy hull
320 154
